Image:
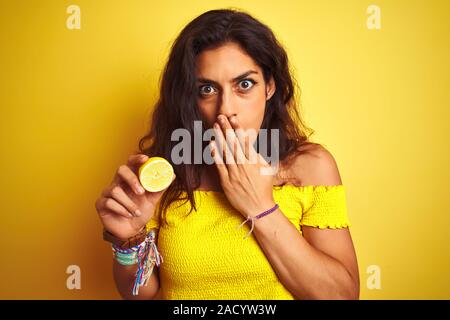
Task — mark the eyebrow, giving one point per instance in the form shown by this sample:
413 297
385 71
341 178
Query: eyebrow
240 77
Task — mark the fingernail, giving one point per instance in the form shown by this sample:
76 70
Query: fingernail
139 189
138 213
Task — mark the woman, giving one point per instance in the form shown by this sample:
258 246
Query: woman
227 69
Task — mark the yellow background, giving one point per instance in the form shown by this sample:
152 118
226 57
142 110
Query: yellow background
75 102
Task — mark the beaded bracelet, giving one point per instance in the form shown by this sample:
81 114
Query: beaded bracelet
145 254
259 216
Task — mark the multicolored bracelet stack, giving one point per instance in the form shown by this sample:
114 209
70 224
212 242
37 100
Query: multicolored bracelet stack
145 254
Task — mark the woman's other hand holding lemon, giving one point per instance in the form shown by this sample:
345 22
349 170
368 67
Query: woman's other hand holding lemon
125 207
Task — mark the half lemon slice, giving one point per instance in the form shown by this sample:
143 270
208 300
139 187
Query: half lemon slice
156 174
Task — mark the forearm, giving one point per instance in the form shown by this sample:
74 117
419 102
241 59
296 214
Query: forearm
124 277
305 271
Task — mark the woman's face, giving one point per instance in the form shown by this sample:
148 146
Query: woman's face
231 83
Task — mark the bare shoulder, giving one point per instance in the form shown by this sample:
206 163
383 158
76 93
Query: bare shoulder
313 165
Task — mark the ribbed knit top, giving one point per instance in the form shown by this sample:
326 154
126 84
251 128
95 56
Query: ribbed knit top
205 256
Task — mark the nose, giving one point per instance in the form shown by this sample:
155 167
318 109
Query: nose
227 104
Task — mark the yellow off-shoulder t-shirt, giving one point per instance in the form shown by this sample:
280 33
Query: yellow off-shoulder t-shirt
205 257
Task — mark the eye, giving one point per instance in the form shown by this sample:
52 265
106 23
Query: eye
247 84
206 90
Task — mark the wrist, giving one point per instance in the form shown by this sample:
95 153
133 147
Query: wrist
266 205
268 227
144 254
130 233
253 218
